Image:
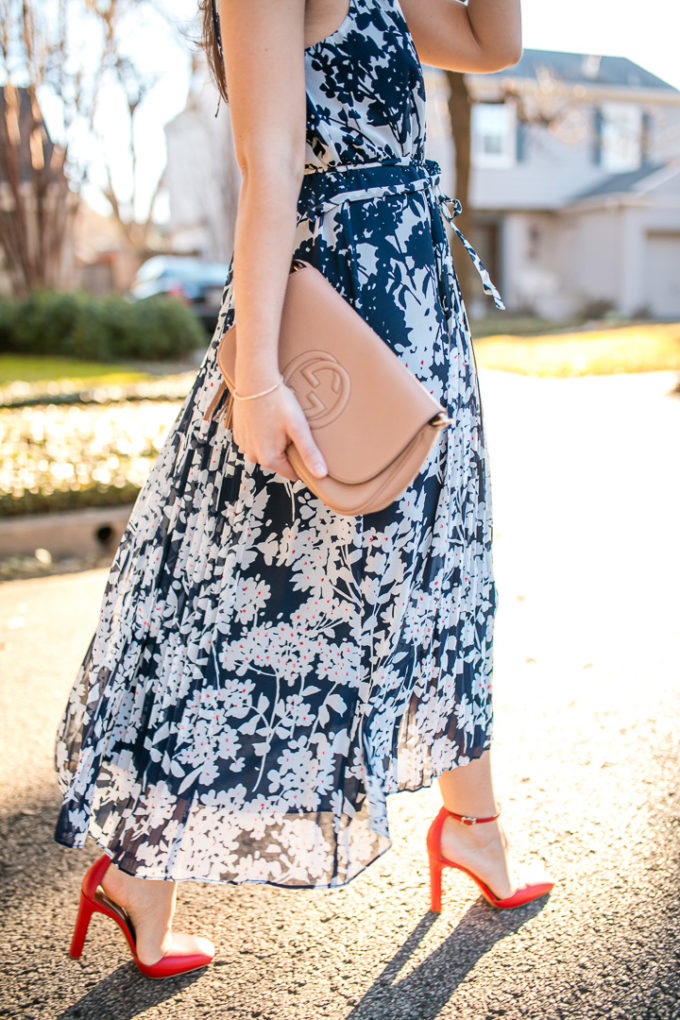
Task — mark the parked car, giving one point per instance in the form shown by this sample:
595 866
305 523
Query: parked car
197 283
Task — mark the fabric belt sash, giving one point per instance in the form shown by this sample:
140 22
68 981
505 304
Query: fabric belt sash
326 188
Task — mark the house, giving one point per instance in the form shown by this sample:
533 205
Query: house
105 259
201 177
575 183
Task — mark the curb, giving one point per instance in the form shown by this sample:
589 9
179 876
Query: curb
73 533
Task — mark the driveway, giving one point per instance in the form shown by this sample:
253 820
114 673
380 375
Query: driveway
587 504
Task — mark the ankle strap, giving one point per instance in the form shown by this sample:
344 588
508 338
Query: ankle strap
470 819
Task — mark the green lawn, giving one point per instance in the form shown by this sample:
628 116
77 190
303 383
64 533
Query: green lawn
641 347
33 381
21 368
646 347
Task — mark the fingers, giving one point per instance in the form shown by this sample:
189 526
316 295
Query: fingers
282 466
264 440
278 463
301 435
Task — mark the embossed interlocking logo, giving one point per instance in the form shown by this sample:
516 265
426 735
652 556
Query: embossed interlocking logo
321 385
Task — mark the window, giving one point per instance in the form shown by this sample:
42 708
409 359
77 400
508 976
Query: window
494 134
621 137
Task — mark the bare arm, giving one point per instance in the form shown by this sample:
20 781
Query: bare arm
263 44
481 36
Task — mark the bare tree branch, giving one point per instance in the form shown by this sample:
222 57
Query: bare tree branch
41 177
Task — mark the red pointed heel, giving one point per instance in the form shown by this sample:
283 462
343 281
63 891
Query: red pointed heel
523 894
85 911
93 900
435 886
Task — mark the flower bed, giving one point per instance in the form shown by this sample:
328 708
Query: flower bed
67 457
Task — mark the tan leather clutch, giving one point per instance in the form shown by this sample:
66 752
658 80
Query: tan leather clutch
373 421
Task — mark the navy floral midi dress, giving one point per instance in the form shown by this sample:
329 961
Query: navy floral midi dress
265 671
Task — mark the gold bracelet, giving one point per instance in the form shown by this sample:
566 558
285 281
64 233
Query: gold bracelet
263 393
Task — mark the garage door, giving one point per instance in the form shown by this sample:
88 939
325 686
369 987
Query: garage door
662 274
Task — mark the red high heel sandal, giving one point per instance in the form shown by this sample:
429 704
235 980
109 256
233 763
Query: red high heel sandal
523 894
94 900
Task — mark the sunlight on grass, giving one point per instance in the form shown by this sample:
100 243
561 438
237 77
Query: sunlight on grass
640 348
21 368
61 380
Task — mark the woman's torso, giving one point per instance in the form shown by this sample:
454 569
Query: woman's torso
365 90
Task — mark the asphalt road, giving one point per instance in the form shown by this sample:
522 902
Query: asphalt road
587 505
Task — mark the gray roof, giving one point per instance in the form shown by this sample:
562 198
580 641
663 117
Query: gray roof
584 68
620 183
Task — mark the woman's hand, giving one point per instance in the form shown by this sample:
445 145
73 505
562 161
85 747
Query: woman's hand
264 427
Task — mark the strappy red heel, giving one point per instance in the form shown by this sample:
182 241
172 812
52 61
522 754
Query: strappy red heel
523 894
93 900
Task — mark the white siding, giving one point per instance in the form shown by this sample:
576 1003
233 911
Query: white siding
662 273
202 177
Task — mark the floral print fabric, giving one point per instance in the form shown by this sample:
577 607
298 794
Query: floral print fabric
264 671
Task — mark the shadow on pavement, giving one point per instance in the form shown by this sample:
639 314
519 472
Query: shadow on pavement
125 993
428 987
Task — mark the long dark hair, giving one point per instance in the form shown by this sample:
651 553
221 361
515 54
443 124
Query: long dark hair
211 42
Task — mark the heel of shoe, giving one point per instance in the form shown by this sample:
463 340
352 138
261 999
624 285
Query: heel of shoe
85 911
434 835
435 886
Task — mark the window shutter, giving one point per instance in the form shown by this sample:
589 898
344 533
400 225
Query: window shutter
521 141
598 124
646 138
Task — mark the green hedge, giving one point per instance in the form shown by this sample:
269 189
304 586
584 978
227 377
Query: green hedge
79 325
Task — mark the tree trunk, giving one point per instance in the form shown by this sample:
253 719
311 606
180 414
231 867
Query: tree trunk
36 205
460 110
